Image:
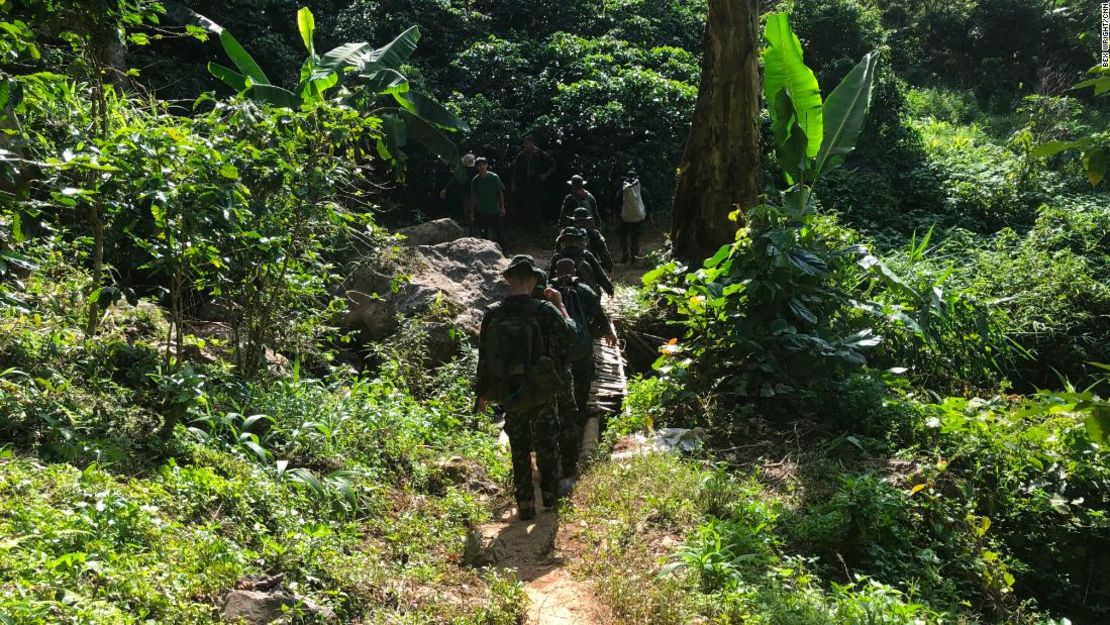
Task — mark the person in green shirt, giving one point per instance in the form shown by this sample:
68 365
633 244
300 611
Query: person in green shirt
488 212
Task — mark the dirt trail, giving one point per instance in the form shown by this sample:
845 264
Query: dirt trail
532 550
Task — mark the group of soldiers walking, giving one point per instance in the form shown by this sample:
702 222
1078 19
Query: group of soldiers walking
536 347
536 350
477 195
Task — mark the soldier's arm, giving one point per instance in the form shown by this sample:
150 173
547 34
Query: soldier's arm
602 277
600 321
603 255
480 382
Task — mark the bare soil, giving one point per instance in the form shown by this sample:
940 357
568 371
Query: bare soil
534 550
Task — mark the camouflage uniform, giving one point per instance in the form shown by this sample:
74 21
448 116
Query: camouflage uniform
571 203
589 269
570 422
534 429
583 369
595 241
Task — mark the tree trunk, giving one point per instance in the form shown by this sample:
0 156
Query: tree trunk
720 169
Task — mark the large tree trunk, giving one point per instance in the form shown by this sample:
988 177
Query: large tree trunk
720 168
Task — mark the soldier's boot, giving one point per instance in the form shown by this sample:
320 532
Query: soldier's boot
550 500
526 510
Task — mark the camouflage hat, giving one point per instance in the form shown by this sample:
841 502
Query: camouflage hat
523 263
582 214
541 284
577 181
570 232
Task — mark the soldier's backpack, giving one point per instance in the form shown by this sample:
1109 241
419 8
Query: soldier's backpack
632 205
583 344
515 371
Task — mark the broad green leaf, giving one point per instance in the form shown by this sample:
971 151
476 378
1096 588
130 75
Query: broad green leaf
313 90
394 138
1098 424
387 82
306 24
798 201
722 253
252 420
1101 84
1095 162
275 96
418 130
784 68
246 64
801 311
783 117
430 110
394 53
261 454
230 77
792 154
339 57
844 112
1049 148
18 260
17 228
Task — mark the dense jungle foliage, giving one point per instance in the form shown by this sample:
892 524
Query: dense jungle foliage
900 366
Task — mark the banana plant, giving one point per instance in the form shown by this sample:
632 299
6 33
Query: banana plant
811 137
372 75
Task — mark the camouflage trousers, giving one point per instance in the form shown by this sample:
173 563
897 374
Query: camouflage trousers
570 428
535 429
583 371
573 412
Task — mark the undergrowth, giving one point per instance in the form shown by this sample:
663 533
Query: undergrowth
338 486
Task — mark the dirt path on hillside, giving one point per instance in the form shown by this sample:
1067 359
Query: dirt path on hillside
533 551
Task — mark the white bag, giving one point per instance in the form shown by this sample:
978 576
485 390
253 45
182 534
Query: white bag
633 210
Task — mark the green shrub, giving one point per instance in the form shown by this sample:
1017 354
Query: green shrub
953 106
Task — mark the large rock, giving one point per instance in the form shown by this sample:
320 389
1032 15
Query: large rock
255 607
432 232
466 474
459 279
484 548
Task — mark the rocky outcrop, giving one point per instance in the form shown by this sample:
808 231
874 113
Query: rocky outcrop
255 607
432 232
458 279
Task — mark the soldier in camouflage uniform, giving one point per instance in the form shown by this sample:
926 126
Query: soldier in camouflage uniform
595 242
579 197
529 398
571 243
584 305
569 443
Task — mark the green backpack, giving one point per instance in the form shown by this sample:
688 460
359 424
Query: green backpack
515 370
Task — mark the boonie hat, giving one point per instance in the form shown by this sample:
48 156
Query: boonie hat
570 232
523 263
582 214
577 181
